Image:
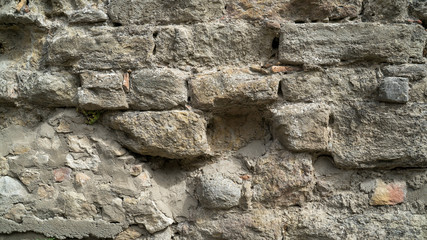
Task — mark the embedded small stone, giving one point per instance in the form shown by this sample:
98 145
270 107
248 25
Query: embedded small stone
217 192
82 178
46 191
62 174
10 187
388 194
394 90
136 170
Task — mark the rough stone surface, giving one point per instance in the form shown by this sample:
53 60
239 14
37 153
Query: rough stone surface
222 119
302 127
216 192
155 133
394 90
231 88
327 44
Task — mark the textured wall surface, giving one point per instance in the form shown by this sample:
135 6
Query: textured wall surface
213 119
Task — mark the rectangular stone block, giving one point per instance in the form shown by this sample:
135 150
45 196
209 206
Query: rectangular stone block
101 91
213 44
368 135
328 44
100 48
232 88
332 84
302 126
153 11
157 89
156 133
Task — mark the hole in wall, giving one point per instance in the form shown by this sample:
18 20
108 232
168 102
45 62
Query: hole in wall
155 34
279 91
155 49
115 24
2 50
275 43
331 119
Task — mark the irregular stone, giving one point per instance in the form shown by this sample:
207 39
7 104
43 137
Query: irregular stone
16 213
217 192
76 206
158 89
8 87
328 44
135 170
142 12
109 147
100 48
114 212
58 89
128 234
62 174
11 188
82 178
329 85
394 90
124 185
385 10
413 72
146 212
232 88
388 194
368 135
83 162
4 166
30 178
87 15
368 186
155 133
143 179
418 9
213 44
46 191
303 126
101 91
283 178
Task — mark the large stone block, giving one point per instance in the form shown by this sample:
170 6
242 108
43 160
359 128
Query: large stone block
332 84
231 88
101 91
170 134
302 126
386 10
55 89
328 44
414 72
214 43
157 89
152 11
367 135
100 48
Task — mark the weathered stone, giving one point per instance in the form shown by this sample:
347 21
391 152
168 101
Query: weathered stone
413 72
124 185
155 133
30 178
146 212
388 194
394 90
385 10
135 170
213 44
302 126
158 89
76 206
100 48
58 89
62 174
16 213
82 178
46 191
283 178
83 161
11 188
114 212
232 88
87 15
367 135
327 44
217 192
332 84
142 12
418 9
4 166
128 234
101 91
8 87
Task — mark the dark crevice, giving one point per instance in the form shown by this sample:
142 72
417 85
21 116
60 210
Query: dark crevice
275 43
115 24
331 119
155 34
279 91
1 48
155 49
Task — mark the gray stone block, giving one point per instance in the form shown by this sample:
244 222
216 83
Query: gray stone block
394 90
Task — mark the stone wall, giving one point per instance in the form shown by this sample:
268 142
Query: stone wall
213 119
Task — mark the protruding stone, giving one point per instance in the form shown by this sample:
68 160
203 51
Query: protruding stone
232 88
394 90
327 44
302 126
217 192
388 194
135 170
156 133
11 188
87 15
